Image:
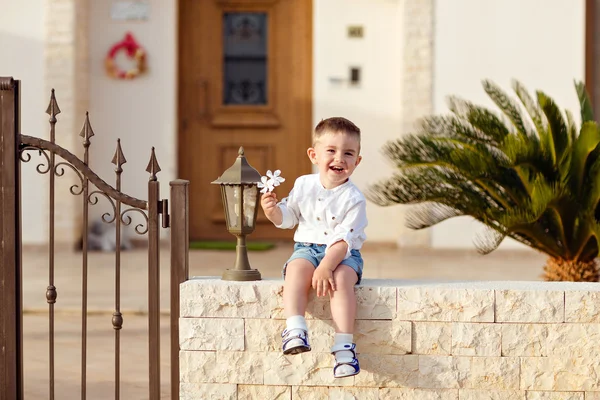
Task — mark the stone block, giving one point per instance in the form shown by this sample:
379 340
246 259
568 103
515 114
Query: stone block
470 339
207 391
497 373
421 394
309 393
530 306
582 306
560 374
574 340
204 297
197 366
443 372
310 369
556 396
436 303
478 394
378 370
524 340
353 393
222 367
264 392
531 395
263 335
382 337
432 338
211 334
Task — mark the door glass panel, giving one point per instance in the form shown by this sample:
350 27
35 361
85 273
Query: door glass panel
245 47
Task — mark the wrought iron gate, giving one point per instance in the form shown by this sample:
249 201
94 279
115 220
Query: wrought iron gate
15 149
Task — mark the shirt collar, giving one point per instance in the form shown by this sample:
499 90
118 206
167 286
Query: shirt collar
335 189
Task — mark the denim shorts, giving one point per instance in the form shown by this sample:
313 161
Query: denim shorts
315 253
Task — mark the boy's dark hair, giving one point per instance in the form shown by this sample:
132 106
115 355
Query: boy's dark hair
336 125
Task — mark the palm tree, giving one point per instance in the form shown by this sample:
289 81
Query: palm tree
527 173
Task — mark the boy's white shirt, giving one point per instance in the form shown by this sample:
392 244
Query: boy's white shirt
325 216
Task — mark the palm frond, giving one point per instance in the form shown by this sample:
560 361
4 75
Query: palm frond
583 147
507 106
429 214
587 113
534 110
486 121
558 128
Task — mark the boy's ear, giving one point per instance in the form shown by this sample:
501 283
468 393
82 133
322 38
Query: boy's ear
312 155
358 160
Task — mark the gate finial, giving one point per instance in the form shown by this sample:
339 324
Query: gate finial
86 131
153 168
119 157
53 109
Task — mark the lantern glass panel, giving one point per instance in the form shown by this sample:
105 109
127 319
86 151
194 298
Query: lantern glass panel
232 206
250 202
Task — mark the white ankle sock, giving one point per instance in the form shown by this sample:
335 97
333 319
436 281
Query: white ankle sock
343 338
296 322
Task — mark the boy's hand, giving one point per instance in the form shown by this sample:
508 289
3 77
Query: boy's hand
322 281
268 202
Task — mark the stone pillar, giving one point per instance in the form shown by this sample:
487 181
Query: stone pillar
67 71
417 97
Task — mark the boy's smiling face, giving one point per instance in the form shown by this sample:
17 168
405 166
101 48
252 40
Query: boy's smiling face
336 154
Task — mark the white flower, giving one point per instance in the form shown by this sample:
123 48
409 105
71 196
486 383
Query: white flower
265 184
269 182
276 178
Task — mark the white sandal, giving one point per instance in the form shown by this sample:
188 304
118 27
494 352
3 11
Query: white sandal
350 361
295 343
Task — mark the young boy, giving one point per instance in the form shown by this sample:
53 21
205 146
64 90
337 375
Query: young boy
330 212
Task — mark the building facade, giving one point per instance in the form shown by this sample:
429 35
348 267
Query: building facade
407 56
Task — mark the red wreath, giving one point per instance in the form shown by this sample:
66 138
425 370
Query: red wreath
134 51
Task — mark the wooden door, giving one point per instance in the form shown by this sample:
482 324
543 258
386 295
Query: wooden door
245 79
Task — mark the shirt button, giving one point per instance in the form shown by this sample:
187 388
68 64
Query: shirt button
325 233
320 199
332 217
318 218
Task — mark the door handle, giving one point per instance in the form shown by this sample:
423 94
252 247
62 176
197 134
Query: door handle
203 98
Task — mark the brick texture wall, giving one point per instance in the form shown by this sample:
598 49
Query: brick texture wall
417 93
463 341
66 66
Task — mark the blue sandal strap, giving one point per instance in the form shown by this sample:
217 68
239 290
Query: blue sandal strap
287 337
344 347
354 364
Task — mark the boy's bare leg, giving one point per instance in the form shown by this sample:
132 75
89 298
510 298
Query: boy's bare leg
298 279
343 311
343 300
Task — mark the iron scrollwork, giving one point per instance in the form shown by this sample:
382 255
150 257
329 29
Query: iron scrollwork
33 143
26 157
126 220
59 170
93 200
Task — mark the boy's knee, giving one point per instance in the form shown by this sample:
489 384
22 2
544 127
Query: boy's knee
344 276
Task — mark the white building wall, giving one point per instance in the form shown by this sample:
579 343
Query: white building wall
375 104
22 33
141 112
539 42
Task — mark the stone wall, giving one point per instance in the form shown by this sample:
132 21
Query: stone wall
417 340
67 71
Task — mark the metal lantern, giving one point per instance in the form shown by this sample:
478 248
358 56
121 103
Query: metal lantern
240 196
